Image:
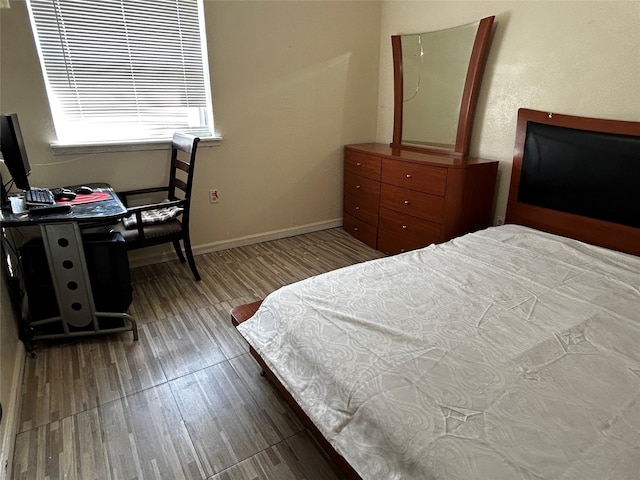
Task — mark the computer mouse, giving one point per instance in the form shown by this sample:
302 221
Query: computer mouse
84 190
64 194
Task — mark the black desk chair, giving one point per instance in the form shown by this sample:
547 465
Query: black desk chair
159 223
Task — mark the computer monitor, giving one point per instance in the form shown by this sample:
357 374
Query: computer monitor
13 150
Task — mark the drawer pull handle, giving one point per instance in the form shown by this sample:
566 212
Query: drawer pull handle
406 202
357 208
409 175
357 186
404 227
358 164
355 229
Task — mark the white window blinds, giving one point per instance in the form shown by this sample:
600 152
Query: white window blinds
119 70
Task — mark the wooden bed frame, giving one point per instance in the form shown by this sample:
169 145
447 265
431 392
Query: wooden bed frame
598 232
244 312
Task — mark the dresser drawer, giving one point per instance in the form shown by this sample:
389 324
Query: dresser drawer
361 186
392 244
424 178
362 164
358 229
409 227
362 207
410 202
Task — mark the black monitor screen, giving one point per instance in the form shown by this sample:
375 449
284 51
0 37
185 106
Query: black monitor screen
13 151
593 174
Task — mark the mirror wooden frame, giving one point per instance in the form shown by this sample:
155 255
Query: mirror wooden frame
477 62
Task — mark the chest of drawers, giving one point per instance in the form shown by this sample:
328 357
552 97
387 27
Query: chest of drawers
398 200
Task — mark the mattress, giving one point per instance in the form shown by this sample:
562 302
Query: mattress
508 353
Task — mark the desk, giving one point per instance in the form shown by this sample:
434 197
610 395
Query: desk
68 267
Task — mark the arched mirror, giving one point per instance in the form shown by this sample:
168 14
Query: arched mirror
436 81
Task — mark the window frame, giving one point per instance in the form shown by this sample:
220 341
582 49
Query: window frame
118 143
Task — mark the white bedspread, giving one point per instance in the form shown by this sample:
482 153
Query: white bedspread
504 354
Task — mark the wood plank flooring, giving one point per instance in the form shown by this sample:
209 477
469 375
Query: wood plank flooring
186 401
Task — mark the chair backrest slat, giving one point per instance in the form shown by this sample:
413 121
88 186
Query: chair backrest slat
177 183
182 165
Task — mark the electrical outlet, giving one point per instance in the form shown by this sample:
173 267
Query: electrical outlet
214 196
500 220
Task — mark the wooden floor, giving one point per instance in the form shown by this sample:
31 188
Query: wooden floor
186 401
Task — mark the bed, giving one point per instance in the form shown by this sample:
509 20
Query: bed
508 353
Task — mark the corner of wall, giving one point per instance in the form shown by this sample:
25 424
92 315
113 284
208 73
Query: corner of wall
12 358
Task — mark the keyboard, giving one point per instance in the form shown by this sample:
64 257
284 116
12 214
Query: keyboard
39 196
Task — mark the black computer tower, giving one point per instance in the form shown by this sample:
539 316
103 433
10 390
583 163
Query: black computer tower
107 265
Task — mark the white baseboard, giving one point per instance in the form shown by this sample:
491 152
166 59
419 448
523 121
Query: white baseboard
11 416
139 258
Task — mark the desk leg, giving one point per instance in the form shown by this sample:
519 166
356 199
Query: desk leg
71 282
68 267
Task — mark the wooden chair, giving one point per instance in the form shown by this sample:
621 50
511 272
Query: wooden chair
159 223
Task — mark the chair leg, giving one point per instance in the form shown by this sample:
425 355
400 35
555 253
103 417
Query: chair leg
189 253
176 247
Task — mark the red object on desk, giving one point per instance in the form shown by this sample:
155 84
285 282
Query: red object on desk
87 198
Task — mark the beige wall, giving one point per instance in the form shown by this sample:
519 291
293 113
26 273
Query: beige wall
12 354
578 58
292 82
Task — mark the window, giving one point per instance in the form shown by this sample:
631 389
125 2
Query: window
124 70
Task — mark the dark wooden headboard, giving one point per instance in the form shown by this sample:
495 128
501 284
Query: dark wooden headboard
596 195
